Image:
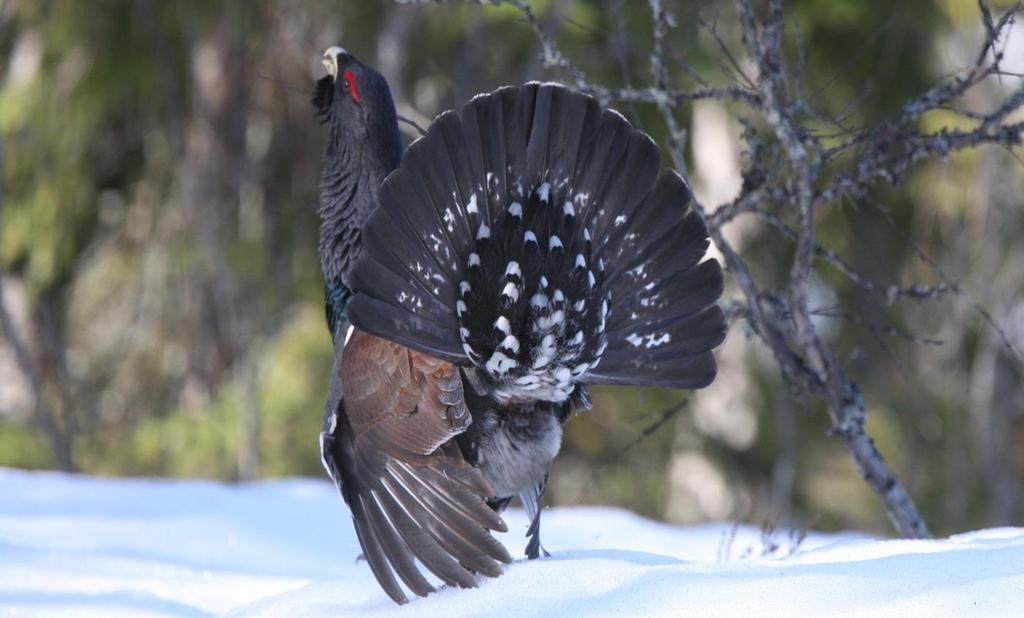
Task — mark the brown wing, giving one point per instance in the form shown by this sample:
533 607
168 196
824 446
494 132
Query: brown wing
411 493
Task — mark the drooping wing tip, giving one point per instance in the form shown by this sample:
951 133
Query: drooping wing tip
413 516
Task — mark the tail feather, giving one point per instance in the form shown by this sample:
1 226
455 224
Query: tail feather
531 235
468 190
627 187
675 336
404 325
643 368
539 134
672 298
483 116
419 276
522 118
438 183
662 224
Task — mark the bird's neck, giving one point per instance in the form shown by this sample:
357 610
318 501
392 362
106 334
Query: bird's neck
349 182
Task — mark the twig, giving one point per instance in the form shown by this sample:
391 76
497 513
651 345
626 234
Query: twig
662 417
412 124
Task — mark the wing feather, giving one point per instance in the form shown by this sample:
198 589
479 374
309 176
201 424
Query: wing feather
412 496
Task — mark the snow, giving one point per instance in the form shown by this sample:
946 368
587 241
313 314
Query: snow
84 546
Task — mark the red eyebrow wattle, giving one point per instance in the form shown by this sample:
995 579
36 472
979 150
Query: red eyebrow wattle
350 80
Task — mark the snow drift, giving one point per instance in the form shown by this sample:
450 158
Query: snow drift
83 546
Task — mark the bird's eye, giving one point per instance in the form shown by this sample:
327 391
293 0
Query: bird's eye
350 83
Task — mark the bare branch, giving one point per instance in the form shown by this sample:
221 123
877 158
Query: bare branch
792 164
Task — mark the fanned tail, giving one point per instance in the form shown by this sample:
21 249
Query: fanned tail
532 236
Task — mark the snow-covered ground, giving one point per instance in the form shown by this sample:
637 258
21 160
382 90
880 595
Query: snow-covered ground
83 546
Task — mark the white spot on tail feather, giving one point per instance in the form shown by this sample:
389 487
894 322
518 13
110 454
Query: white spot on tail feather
511 343
544 191
655 341
511 290
651 340
500 364
434 238
546 352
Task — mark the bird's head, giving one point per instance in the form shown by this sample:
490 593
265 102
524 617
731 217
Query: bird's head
352 96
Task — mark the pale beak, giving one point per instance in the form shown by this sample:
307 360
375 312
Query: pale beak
331 60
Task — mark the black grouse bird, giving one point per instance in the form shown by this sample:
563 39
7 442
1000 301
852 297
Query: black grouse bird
519 252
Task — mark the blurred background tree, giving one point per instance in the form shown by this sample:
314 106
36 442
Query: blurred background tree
161 303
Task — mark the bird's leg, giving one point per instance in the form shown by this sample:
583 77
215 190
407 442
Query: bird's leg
533 500
534 549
